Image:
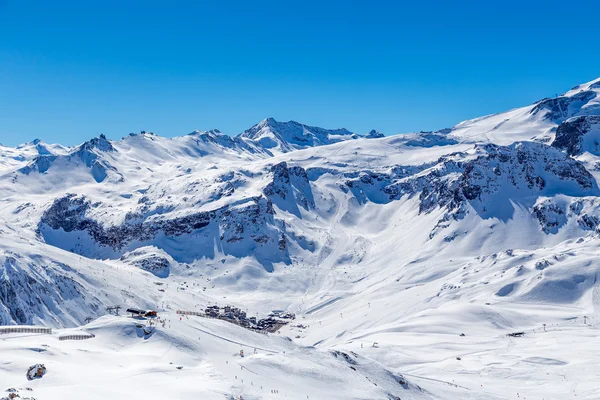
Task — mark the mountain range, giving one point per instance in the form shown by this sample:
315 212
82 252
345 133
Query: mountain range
386 248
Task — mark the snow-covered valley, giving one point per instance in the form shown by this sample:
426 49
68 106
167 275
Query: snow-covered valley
407 261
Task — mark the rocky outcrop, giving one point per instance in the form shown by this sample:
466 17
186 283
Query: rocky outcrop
373 134
571 133
216 137
558 109
487 180
151 259
550 215
289 188
69 213
40 164
36 371
238 227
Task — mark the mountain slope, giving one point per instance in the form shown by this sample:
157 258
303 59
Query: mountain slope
535 122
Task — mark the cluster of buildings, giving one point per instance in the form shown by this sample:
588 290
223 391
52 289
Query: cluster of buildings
282 314
272 323
230 313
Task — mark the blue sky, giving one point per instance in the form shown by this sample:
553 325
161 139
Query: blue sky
70 70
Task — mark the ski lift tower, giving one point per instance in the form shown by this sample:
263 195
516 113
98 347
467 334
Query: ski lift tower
113 310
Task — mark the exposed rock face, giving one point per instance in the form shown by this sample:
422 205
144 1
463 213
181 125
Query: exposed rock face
218 138
36 371
242 227
69 214
485 181
550 215
588 222
373 134
430 139
151 259
101 143
281 181
14 394
289 188
570 135
250 223
560 108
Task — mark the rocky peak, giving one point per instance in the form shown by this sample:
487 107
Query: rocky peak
100 143
214 136
289 188
90 153
142 133
288 136
374 134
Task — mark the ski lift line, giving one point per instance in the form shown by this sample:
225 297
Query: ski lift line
165 353
235 342
247 369
437 380
146 373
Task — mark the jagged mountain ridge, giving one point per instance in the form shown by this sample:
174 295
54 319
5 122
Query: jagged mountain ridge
284 137
262 140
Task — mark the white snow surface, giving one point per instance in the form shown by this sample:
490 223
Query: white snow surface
406 259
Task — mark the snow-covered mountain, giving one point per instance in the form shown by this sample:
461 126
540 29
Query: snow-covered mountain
387 249
12 158
537 122
283 137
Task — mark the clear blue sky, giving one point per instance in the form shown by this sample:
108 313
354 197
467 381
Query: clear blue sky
70 70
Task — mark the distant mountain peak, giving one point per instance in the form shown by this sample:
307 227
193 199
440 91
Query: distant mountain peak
32 143
373 134
142 133
211 132
100 143
270 121
284 137
89 153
